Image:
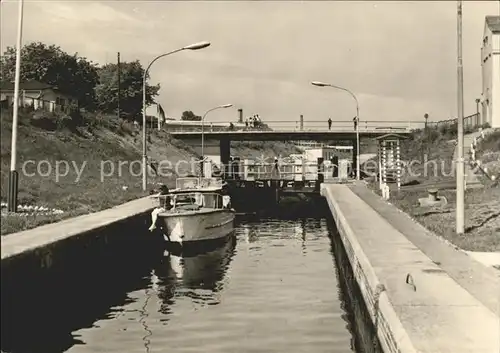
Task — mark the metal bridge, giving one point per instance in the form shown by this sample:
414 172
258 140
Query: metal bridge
298 125
291 130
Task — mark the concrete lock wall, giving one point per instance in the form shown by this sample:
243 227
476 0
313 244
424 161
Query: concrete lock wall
414 304
73 240
376 300
57 279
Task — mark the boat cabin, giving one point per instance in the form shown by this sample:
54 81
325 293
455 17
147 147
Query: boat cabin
185 201
195 194
197 183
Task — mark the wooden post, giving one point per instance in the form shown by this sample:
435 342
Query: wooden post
119 86
379 177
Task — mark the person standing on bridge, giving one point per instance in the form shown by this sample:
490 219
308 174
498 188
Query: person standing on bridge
275 173
329 123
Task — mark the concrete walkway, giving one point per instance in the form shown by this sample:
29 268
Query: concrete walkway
417 302
17 243
481 281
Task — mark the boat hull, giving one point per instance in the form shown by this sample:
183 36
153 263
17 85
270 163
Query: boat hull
197 226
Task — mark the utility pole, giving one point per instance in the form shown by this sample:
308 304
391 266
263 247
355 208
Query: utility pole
426 134
13 175
460 136
119 83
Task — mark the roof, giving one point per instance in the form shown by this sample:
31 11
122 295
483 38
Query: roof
493 23
27 85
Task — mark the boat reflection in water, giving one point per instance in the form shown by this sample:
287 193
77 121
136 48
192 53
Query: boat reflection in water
274 229
198 274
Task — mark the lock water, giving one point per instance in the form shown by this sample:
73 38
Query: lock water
275 287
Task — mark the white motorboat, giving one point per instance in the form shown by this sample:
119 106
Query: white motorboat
194 211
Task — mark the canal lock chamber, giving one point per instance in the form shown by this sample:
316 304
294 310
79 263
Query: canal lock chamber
50 293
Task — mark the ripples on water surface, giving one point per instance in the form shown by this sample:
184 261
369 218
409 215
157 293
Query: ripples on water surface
274 288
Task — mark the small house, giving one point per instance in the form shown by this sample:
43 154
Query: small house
38 95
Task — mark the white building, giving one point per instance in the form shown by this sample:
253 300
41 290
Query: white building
490 65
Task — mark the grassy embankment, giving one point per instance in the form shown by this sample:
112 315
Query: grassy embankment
95 145
482 210
266 149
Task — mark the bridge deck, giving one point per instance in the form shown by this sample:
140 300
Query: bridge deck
286 135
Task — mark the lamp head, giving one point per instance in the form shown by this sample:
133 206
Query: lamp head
226 106
196 46
319 84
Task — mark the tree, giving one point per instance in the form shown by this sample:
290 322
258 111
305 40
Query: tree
131 74
71 74
190 116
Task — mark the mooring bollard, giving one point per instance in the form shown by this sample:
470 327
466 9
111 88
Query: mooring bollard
433 195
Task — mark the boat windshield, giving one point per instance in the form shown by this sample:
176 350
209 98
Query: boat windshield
197 183
195 201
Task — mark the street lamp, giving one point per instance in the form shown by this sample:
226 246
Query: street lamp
478 120
460 174
194 46
323 84
202 128
13 176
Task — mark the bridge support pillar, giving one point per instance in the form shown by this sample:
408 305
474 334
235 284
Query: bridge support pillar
321 176
355 153
225 154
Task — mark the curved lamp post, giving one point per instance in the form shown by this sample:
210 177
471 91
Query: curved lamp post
460 172
322 84
194 46
203 130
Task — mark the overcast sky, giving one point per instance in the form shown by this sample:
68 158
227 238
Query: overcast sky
399 58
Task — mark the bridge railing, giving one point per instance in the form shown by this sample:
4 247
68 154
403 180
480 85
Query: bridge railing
314 144
470 122
297 125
